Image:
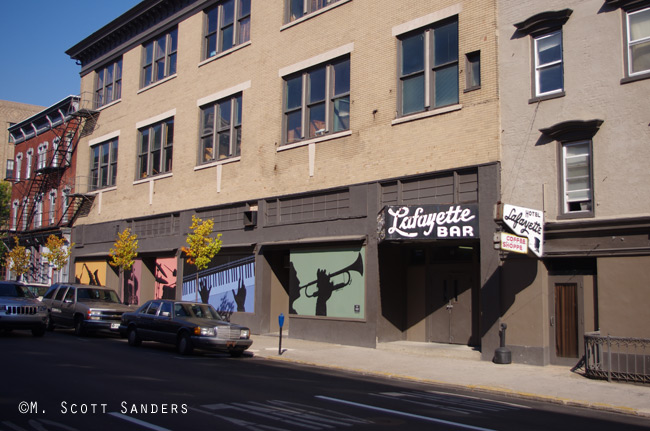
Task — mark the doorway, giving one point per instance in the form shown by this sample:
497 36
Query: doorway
566 319
442 294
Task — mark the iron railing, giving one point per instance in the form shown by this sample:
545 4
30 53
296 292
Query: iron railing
617 358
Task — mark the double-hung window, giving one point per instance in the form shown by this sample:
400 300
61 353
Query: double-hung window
428 68
228 24
638 41
42 156
159 58
317 101
221 124
577 178
296 9
52 209
549 69
108 84
103 164
155 148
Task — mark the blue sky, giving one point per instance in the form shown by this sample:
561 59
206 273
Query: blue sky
34 36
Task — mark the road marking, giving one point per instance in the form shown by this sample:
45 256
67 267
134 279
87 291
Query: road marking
138 422
399 413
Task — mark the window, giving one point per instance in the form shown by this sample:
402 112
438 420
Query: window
221 129
473 71
317 101
52 212
222 30
549 71
108 86
19 159
638 41
155 149
577 184
38 210
42 156
25 213
103 164
65 203
429 68
14 218
299 8
159 58
28 163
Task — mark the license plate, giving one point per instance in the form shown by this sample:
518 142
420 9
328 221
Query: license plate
115 325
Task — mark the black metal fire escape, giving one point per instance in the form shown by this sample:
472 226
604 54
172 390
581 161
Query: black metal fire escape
49 173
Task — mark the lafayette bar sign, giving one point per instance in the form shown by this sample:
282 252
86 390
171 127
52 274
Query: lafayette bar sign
428 222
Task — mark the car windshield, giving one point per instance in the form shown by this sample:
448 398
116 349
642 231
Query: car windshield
15 291
205 311
96 295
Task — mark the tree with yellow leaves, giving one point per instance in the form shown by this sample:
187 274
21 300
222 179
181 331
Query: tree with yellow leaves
20 258
123 253
57 254
202 247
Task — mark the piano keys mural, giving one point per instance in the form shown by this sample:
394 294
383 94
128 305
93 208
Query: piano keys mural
229 287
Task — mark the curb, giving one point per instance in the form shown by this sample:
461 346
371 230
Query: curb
474 388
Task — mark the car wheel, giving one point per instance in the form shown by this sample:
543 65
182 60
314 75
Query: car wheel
79 326
38 332
184 344
134 339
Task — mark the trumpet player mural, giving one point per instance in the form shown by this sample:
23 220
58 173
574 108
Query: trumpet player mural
328 283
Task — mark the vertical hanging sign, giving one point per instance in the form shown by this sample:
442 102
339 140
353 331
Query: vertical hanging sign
528 223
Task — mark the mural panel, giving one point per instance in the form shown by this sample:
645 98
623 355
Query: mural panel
229 287
328 282
90 272
165 275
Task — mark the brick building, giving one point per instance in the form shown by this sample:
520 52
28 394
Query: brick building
42 172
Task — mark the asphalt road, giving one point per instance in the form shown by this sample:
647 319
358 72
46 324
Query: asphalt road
64 383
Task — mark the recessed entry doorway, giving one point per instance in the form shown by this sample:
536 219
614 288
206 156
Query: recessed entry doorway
442 293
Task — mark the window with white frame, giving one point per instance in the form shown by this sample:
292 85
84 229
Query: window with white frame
52 208
14 218
25 213
577 178
18 167
296 9
103 164
317 101
220 133
108 83
65 203
227 24
549 69
38 210
638 41
159 58
155 148
28 163
42 156
428 67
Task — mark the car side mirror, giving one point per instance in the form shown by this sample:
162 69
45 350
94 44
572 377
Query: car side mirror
165 314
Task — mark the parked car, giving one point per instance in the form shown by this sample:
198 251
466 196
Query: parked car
37 290
84 308
187 325
20 309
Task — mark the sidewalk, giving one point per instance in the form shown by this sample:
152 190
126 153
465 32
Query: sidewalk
461 367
